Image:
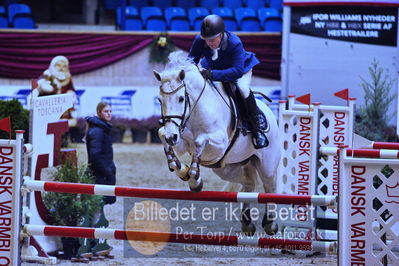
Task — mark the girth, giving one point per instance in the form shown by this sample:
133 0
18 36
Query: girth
234 112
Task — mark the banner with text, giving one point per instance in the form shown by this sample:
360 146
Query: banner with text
360 24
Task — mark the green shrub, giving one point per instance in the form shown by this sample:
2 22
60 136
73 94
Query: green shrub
68 209
371 122
19 118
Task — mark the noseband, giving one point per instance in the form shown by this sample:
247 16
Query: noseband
187 106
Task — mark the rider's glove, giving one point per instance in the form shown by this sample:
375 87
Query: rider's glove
206 73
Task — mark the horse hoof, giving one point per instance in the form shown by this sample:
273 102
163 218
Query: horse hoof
193 174
172 165
248 229
271 228
185 178
198 188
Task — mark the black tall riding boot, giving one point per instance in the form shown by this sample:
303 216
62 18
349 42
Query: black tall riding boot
258 123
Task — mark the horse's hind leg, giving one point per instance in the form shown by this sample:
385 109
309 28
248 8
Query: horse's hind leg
249 177
245 176
266 173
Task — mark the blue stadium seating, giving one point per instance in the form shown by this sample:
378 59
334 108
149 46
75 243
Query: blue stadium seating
266 12
130 11
3 22
273 24
155 23
133 24
233 4
195 15
277 4
23 21
187 4
17 9
176 18
228 17
247 19
150 11
255 4
3 18
138 3
179 24
224 12
174 13
209 4
250 25
231 24
162 3
20 16
132 19
244 13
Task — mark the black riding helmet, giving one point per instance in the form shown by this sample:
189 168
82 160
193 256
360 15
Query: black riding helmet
212 26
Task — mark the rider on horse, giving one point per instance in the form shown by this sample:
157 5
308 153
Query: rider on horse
226 60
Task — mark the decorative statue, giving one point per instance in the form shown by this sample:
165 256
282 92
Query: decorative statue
56 80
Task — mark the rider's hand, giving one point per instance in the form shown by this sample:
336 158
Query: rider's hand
206 73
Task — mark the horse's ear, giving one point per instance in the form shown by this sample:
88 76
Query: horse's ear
182 74
157 75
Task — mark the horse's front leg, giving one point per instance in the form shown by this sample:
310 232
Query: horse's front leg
174 164
195 180
216 143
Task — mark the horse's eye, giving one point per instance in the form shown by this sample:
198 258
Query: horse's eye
181 99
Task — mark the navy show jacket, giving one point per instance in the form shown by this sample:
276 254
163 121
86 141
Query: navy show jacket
232 62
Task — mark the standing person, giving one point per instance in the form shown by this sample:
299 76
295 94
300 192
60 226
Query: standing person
99 148
226 60
101 164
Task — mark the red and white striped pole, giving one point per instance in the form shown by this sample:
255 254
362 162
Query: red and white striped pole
385 145
215 239
363 153
216 196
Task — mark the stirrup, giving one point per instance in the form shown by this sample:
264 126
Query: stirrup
254 138
261 122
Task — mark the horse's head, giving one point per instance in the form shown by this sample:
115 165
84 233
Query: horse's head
174 103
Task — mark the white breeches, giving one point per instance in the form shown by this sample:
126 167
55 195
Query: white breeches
244 83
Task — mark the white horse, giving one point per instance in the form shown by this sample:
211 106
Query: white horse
198 119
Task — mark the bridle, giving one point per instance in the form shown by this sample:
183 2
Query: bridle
187 106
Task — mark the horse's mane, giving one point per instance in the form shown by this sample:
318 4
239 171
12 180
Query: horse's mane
178 60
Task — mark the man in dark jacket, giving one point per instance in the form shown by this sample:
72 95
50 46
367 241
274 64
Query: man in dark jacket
99 148
224 59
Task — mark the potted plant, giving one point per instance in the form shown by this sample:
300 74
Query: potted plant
67 209
153 125
139 131
119 126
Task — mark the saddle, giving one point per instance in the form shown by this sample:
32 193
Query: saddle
241 113
240 124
